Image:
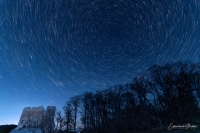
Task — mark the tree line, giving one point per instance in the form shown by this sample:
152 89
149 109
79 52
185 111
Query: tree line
163 95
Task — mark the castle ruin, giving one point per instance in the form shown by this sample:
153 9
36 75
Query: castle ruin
37 117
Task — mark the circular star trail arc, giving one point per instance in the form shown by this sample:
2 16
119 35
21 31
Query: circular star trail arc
51 50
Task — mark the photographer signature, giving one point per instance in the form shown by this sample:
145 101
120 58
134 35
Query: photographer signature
186 126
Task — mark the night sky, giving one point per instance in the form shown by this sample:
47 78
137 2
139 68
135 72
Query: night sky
51 50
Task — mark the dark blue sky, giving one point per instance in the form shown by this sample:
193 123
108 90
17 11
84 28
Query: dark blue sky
51 50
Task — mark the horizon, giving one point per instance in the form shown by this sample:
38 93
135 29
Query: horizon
53 50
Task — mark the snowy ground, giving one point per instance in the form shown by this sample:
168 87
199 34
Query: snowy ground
27 130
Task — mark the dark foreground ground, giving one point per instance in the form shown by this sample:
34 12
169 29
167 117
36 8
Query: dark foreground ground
7 128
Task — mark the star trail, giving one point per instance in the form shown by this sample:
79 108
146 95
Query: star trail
51 50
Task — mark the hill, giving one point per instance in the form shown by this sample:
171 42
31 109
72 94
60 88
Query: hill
7 128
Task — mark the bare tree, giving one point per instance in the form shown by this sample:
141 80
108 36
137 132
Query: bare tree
173 85
58 120
75 103
68 121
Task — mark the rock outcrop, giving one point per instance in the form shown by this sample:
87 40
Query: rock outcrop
36 120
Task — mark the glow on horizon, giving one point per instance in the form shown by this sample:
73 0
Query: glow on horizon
9 115
12 119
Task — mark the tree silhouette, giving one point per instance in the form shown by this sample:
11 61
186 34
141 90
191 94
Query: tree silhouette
165 94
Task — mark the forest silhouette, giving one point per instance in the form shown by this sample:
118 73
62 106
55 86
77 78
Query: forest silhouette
163 95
